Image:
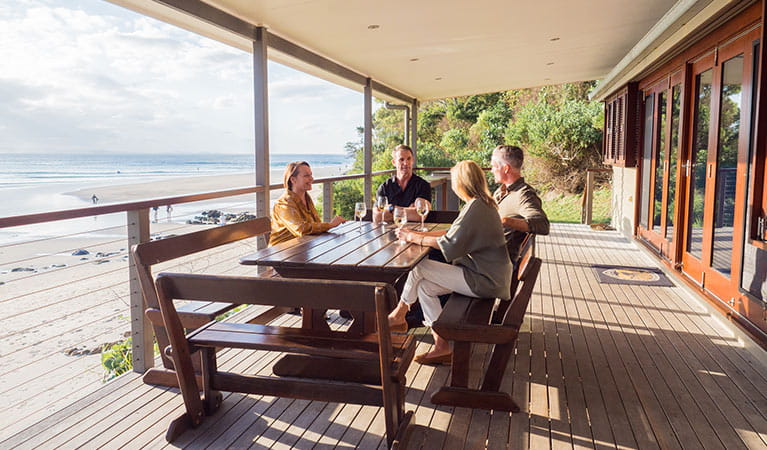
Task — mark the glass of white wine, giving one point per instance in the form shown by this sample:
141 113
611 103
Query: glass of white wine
422 208
382 204
360 209
400 218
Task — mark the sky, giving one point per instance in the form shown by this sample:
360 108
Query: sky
87 76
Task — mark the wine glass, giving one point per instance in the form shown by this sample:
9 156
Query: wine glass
382 203
422 208
400 218
360 209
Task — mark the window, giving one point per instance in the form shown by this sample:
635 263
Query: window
660 162
676 99
649 104
621 122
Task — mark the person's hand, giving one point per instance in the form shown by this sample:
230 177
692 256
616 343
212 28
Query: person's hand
377 216
337 220
404 234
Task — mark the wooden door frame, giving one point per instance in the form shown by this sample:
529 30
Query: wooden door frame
691 266
683 79
718 284
657 239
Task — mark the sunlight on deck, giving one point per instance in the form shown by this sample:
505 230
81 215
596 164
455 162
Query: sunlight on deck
596 365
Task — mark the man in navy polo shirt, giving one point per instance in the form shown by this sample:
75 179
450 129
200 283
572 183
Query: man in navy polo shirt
401 190
404 187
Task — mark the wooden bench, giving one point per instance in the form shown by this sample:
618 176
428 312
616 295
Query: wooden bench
466 320
197 313
520 253
345 351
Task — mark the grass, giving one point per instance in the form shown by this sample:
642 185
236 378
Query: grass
567 208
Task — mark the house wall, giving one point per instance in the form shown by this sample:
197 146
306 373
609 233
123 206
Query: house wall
624 188
742 292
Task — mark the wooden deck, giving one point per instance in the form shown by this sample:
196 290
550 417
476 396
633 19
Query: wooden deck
598 365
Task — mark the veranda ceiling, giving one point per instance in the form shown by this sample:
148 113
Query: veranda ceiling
431 49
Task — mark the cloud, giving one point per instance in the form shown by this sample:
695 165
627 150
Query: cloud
91 76
223 102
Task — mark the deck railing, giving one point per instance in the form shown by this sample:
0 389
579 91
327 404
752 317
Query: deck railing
46 298
138 230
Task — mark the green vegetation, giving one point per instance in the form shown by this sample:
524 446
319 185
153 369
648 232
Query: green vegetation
118 359
557 126
566 208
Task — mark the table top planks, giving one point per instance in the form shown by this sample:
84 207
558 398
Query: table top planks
360 247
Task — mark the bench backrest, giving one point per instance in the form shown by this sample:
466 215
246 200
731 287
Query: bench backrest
515 314
286 292
520 254
442 216
148 254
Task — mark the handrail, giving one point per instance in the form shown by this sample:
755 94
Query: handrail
138 231
50 216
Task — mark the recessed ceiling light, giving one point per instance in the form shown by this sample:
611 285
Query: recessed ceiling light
549 63
438 78
554 39
413 59
374 27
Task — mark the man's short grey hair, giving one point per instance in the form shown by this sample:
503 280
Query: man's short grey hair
511 155
401 148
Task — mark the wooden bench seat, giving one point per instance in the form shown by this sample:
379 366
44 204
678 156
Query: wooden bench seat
467 320
294 340
194 313
339 363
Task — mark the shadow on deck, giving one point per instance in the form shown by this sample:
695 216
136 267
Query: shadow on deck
596 365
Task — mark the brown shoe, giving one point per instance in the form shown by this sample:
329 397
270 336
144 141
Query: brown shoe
423 358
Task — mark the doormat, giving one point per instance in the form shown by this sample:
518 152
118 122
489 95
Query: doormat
643 276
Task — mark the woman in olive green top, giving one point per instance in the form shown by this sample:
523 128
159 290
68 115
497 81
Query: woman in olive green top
475 246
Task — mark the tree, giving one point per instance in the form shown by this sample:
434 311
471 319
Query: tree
562 134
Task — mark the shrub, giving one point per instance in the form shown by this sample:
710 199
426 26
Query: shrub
118 359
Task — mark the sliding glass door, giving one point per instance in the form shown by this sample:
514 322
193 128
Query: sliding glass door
719 138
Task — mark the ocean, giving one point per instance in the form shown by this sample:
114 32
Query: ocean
18 170
34 183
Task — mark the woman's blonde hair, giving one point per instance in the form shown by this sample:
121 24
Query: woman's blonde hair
291 170
468 182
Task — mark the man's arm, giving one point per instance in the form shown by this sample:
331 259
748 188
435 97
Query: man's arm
412 215
515 223
531 218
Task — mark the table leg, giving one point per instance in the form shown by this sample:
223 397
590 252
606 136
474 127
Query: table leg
314 319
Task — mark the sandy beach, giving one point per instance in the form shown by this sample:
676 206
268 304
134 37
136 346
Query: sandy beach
65 298
185 185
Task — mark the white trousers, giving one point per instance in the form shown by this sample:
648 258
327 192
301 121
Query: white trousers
430 279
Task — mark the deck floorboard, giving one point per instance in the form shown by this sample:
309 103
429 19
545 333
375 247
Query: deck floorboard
595 366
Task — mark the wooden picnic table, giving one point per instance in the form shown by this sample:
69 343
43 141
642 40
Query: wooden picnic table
357 251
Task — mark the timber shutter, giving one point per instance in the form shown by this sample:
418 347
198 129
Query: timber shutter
621 133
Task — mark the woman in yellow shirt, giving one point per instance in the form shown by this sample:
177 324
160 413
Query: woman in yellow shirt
294 213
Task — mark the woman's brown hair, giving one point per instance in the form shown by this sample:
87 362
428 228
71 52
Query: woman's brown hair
469 182
291 170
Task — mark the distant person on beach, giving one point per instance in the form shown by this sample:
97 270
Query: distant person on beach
294 213
94 199
404 187
169 209
155 210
